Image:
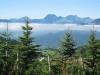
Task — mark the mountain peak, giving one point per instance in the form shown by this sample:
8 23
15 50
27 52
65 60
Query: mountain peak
53 19
72 16
51 16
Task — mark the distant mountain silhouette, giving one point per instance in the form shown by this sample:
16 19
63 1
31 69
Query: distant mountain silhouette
53 19
96 21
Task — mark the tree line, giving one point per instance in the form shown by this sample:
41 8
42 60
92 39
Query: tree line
25 57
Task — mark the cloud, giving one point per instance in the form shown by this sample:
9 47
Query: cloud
49 27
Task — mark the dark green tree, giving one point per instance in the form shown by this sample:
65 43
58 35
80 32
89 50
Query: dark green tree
93 55
67 51
68 46
28 51
6 55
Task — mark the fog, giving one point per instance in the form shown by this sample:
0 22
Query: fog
49 27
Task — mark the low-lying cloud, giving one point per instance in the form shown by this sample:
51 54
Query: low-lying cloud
49 27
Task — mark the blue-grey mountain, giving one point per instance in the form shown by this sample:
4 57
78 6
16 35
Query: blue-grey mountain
53 19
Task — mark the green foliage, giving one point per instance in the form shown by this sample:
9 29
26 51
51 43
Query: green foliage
24 57
28 51
6 54
68 45
93 59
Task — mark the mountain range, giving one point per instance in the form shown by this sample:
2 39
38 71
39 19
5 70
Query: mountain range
53 19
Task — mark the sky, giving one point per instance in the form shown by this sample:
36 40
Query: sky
40 8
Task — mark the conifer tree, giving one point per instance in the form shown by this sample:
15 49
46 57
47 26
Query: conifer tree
93 53
68 45
6 53
67 51
28 50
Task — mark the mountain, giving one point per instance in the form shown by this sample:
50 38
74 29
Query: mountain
4 20
74 19
96 21
53 19
71 19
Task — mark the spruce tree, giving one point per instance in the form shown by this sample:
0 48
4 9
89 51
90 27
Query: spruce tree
68 46
93 55
67 50
6 55
28 52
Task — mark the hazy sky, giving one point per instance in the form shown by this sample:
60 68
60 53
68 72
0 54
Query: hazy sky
40 8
